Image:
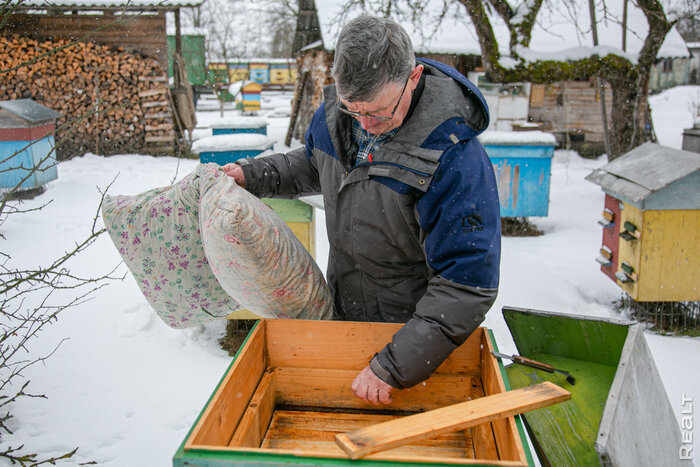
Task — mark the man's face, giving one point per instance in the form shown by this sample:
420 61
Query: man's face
393 97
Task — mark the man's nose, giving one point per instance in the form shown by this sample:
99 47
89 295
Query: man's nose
366 123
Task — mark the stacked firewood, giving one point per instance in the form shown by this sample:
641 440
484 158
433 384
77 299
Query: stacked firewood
111 101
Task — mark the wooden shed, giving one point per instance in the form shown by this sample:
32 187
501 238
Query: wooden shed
136 25
107 35
651 223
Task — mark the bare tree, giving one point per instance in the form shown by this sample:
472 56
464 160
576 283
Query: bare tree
282 16
629 79
32 298
238 29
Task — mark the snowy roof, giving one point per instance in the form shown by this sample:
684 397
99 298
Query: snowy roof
238 122
232 142
130 5
517 137
560 32
644 171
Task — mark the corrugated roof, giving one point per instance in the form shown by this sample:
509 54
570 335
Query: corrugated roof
130 5
645 170
29 110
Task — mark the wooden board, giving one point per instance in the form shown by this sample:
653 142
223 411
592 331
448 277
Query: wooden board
482 435
630 250
508 447
227 406
402 431
670 256
350 345
314 432
256 419
320 387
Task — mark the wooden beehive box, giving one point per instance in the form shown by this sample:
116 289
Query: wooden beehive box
26 142
522 162
287 393
651 220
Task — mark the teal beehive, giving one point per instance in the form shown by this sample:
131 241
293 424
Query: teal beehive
226 148
522 162
27 146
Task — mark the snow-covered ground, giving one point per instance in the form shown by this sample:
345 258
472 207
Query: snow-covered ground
125 388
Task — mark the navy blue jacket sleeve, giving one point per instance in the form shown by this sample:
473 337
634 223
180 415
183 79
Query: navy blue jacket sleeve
460 220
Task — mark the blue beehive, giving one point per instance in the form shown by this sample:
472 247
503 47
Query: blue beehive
522 162
226 126
26 142
222 149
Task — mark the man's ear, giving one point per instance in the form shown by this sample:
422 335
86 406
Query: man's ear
415 76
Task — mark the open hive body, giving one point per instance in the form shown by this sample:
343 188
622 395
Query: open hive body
287 394
618 414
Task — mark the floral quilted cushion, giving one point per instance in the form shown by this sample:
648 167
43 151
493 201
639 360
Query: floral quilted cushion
157 234
254 254
203 248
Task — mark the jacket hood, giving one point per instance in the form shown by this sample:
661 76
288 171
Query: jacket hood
476 111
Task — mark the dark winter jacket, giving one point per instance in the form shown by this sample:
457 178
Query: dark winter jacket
415 233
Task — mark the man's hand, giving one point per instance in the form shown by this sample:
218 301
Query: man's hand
370 388
235 171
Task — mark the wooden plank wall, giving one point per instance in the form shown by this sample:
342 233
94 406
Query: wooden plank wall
143 32
567 106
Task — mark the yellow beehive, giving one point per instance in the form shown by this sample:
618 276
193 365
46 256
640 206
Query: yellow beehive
654 245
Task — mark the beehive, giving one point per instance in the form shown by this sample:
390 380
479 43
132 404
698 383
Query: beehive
287 393
26 142
232 125
522 162
222 149
651 223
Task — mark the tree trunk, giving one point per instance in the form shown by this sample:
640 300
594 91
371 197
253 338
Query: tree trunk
629 112
629 82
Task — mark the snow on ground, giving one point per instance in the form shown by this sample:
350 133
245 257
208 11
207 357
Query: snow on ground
674 110
125 388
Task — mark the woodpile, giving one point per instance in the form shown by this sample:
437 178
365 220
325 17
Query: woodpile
111 101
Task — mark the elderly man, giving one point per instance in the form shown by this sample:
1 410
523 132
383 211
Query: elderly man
410 199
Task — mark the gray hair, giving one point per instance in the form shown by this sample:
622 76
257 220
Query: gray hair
371 52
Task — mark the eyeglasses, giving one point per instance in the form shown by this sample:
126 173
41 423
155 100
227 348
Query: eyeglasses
339 105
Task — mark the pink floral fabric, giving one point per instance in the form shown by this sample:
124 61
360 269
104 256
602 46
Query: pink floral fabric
204 247
256 257
157 234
